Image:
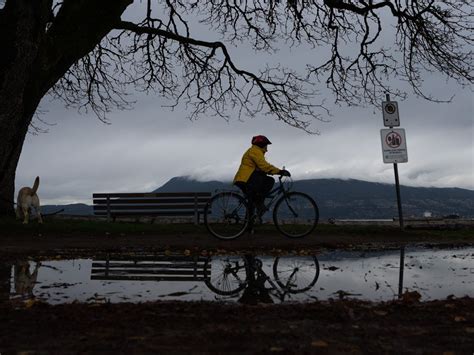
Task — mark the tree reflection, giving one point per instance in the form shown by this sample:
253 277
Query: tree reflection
5 275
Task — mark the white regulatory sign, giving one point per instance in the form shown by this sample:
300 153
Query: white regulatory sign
390 114
394 145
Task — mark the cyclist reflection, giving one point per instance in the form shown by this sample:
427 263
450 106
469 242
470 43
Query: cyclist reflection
255 290
228 275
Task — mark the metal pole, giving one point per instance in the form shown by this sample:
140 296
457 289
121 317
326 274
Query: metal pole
402 267
108 208
397 186
399 200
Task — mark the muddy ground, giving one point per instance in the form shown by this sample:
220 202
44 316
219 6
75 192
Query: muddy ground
335 326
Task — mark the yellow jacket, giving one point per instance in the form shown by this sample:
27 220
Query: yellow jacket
254 159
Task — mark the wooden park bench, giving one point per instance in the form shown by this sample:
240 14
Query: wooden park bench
150 268
171 204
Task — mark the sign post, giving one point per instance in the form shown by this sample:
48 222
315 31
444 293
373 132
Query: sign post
394 148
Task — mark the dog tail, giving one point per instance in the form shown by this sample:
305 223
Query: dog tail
35 186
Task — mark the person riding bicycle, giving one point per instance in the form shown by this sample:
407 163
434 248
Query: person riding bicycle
252 176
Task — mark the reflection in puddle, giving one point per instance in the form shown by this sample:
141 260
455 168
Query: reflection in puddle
434 274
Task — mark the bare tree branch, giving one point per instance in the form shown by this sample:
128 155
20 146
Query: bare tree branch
356 63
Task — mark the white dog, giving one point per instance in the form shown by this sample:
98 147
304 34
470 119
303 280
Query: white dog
27 198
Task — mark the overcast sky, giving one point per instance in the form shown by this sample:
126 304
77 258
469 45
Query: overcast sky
144 147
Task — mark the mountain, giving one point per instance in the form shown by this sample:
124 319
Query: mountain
337 198
186 184
77 209
359 199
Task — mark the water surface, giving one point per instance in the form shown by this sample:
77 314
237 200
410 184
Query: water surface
376 276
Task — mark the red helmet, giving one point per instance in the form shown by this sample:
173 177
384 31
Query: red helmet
260 141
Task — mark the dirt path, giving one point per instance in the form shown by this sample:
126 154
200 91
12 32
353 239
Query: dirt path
173 327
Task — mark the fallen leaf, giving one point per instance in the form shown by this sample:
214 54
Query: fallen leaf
276 349
459 319
413 296
319 344
469 329
136 338
30 303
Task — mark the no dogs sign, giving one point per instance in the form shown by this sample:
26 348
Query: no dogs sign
394 145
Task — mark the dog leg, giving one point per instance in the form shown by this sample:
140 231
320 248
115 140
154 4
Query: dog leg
36 204
26 214
38 213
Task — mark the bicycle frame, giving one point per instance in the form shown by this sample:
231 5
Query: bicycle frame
274 194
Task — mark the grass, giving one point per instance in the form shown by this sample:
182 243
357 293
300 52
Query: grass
94 227
100 227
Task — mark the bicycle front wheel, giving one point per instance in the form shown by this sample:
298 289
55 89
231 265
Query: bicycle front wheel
226 216
295 214
225 275
296 274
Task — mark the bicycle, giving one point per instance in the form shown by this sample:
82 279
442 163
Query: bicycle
229 275
228 214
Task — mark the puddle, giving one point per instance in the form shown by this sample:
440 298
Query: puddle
376 276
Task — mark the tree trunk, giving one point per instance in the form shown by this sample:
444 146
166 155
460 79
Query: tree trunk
19 40
34 58
13 129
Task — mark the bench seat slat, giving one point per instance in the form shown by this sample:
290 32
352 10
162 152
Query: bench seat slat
132 271
148 213
145 278
148 207
118 265
151 194
159 258
150 200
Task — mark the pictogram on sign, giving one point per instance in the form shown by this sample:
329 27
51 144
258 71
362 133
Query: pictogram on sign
390 114
394 145
393 140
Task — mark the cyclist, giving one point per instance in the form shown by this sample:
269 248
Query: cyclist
252 176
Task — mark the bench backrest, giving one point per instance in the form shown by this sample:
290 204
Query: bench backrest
154 268
152 204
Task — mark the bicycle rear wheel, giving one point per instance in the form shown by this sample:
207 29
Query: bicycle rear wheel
295 214
226 215
296 273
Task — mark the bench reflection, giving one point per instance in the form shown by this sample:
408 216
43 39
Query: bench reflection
224 275
149 268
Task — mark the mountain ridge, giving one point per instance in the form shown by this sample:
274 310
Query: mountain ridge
352 198
339 198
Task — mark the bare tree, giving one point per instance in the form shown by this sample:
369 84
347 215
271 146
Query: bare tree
83 52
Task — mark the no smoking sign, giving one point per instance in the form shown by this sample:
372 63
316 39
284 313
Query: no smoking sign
394 147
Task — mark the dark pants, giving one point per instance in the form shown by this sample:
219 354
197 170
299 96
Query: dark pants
257 188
